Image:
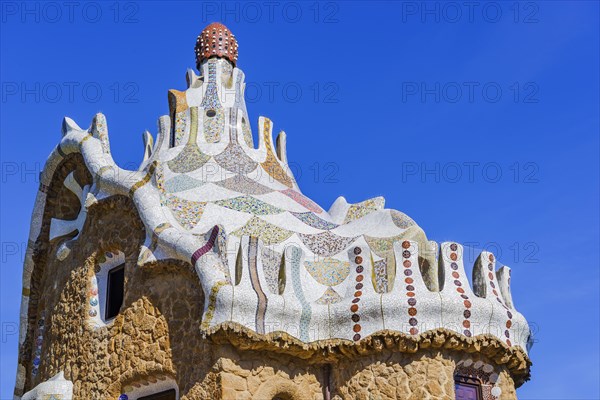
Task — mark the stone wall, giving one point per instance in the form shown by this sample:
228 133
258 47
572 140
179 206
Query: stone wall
155 336
386 375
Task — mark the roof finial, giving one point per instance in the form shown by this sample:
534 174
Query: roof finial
216 40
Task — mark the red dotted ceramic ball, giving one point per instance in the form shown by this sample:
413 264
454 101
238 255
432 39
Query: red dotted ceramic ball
216 40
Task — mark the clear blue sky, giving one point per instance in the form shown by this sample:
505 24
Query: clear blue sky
479 121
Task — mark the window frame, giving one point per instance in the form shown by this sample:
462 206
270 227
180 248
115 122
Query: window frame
469 381
108 302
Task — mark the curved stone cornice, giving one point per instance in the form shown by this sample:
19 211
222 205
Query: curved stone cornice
514 358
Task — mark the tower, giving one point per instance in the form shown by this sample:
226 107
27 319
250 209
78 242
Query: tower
206 273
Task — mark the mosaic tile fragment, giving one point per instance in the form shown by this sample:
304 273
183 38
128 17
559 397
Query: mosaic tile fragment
310 219
190 158
267 232
302 200
271 164
181 183
330 296
243 184
214 125
186 212
361 209
271 260
326 243
381 276
401 220
328 271
234 158
250 205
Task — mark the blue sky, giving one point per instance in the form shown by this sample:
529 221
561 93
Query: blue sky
479 120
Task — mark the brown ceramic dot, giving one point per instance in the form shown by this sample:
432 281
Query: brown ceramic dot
414 331
356 337
354 307
491 276
455 275
405 244
407 263
409 280
508 342
453 247
355 317
460 290
358 260
412 302
453 256
467 304
356 328
466 324
358 293
495 293
359 278
410 294
412 311
491 257
508 324
357 250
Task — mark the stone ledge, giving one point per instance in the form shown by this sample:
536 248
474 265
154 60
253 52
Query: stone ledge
329 351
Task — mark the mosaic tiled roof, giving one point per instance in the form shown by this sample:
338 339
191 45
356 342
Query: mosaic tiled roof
208 196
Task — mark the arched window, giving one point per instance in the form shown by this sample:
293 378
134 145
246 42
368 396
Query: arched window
114 291
107 288
467 388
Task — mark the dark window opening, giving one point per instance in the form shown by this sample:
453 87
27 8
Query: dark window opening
114 291
166 395
467 388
